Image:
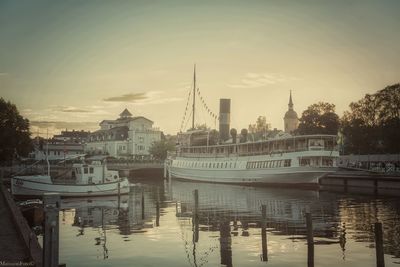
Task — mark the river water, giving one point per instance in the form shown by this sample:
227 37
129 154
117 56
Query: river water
161 224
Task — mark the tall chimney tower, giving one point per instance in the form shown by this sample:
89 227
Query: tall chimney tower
224 118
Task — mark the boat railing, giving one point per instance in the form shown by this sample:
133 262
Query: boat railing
251 153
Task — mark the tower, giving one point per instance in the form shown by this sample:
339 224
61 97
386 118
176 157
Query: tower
291 120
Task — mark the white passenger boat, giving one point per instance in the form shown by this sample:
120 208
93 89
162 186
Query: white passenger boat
288 160
90 180
222 158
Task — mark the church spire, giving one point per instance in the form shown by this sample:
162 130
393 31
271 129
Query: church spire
290 101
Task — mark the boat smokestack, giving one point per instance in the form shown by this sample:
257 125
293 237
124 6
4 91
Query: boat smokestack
224 118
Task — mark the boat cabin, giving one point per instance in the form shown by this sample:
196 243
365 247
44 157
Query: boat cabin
271 146
94 173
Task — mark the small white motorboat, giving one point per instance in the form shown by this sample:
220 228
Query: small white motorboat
90 180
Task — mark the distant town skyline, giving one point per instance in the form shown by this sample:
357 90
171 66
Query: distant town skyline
73 64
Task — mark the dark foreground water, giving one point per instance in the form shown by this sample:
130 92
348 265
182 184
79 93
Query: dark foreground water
161 231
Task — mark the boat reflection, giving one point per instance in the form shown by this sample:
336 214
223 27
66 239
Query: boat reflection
212 217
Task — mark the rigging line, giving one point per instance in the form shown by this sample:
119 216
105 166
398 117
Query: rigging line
204 105
187 104
188 119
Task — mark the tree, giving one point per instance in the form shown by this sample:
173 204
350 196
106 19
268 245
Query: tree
259 129
373 123
260 126
319 118
14 132
159 149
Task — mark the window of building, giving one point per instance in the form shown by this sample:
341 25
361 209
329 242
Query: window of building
85 170
91 170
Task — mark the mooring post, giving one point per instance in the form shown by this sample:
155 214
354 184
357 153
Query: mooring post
169 176
51 203
225 242
196 216
380 259
264 233
158 207
310 238
2 178
119 195
165 169
142 204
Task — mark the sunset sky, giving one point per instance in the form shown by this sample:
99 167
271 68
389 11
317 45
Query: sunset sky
75 63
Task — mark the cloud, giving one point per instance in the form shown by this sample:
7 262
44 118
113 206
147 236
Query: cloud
4 74
70 109
254 80
130 98
148 98
56 126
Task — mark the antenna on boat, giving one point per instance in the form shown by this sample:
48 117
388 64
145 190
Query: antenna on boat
194 94
47 152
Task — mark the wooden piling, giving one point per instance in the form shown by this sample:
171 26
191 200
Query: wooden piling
196 216
1 178
142 204
51 203
225 243
310 239
264 233
158 208
380 259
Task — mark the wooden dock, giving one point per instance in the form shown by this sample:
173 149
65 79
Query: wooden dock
361 182
18 244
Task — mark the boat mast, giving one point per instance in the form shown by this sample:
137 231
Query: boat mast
47 152
194 95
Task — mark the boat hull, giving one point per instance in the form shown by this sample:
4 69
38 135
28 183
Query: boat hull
25 188
284 176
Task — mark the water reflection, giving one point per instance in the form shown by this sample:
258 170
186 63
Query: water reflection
223 222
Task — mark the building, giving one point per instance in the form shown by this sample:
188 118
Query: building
55 150
125 137
291 120
72 136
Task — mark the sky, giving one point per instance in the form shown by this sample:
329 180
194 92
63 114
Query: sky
71 64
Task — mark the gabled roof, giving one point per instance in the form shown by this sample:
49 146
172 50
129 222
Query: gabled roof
125 113
141 117
108 121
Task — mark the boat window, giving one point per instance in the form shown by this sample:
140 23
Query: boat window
226 165
91 170
90 181
85 170
230 164
287 162
304 162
